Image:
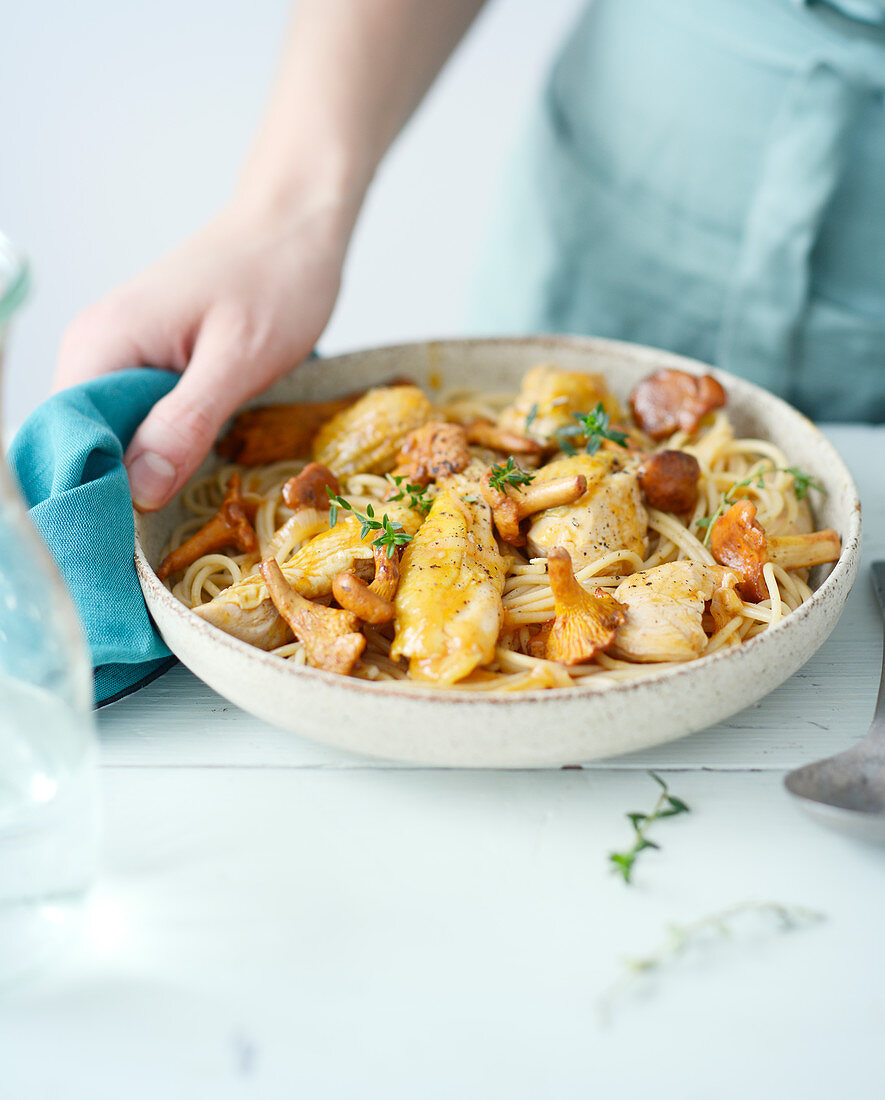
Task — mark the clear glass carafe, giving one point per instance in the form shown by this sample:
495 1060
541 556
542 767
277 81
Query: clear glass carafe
48 752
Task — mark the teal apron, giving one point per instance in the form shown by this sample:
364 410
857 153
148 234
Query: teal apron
709 176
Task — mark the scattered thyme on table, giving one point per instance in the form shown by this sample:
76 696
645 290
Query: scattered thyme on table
683 937
667 805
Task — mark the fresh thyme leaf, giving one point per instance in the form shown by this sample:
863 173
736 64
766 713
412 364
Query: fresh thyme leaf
594 427
508 473
675 806
703 934
667 805
532 414
624 862
417 494
802 482
391 534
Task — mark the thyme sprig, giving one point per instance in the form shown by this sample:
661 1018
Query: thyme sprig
417 494
681 938
594 427
667 805
530 418
508 473
802 483
391 534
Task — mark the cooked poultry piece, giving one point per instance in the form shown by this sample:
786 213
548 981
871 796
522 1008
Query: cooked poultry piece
671 399
366 438
739 541
242 609
511 503
435 450
373 603
330 637
609 516
276 432
313 568
548 398
257 621
585 623
467 483
669 481
726 603
448 605
229 527
665 608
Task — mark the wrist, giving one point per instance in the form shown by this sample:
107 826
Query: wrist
326 188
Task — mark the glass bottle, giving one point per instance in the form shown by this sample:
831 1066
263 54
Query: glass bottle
48 748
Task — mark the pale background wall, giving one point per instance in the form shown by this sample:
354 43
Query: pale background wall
122 125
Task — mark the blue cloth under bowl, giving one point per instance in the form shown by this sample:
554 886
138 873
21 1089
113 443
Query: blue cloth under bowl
68 459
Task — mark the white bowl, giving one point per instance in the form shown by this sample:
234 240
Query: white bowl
525 729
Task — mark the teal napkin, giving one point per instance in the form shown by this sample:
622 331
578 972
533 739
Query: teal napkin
68 458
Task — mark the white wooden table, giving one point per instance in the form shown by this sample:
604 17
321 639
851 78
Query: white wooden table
276 919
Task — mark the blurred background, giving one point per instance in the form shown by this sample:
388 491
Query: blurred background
123 126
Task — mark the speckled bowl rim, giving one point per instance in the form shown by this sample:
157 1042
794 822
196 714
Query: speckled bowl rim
844 568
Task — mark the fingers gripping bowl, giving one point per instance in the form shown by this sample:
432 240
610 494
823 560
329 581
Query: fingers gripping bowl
547 727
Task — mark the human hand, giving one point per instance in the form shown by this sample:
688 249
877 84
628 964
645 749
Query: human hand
232 310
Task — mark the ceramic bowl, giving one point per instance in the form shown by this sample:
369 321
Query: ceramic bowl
525 729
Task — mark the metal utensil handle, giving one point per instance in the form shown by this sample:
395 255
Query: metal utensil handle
878 574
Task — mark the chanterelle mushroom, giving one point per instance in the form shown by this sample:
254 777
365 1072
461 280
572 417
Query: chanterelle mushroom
585 624
435 450
512 504
486 434
306 495
739 541
669 480
308 489
671 399
373 603
229 526
330 637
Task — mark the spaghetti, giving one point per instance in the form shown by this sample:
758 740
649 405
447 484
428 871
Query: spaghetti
730 469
